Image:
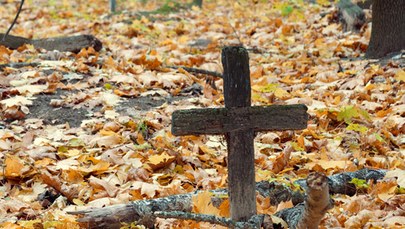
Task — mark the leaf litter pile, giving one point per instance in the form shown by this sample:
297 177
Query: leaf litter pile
298 54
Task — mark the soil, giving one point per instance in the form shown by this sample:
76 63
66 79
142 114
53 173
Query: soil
42 109
132 106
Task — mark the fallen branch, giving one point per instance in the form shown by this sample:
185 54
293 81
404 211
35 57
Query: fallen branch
143 211
19 65
64 44
341 183
198 71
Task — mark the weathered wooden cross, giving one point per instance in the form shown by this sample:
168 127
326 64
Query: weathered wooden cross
239 121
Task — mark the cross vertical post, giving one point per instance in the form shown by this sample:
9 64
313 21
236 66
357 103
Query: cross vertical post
241 165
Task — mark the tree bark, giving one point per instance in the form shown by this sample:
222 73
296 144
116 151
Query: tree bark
388 28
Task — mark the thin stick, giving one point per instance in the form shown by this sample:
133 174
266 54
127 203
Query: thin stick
198 71
15 20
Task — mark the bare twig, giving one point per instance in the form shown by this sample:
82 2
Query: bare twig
18 65
198 71
15 20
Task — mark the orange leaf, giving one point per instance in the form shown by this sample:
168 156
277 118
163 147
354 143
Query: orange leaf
14 167
160 161
385 190
284 205
383 113
301 141
224 208
202 204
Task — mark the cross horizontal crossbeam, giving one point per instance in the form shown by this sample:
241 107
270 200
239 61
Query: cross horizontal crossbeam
223 120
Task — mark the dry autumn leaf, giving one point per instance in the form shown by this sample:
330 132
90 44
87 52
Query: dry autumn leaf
95 125
202 204
159 161
14 167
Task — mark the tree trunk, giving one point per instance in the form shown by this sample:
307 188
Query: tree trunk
113 5
388 28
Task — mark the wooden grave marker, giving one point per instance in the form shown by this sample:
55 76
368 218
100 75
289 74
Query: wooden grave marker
239 121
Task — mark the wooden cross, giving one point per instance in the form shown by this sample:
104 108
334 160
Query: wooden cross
239 121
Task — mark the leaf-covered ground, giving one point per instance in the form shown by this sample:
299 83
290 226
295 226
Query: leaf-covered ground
298 54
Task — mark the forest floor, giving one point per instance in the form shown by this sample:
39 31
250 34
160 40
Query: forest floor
92 129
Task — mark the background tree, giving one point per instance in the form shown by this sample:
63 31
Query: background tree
388 28
113 5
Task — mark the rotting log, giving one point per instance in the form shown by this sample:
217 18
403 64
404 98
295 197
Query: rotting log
64 44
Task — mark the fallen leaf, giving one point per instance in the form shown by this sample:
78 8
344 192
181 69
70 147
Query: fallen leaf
399 174
159 161
17 101
202 204
400 75
13 167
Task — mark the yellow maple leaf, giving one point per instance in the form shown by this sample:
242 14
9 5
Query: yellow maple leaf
107 133
206 149
160 161
400 75
281 93
202 204
327 164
